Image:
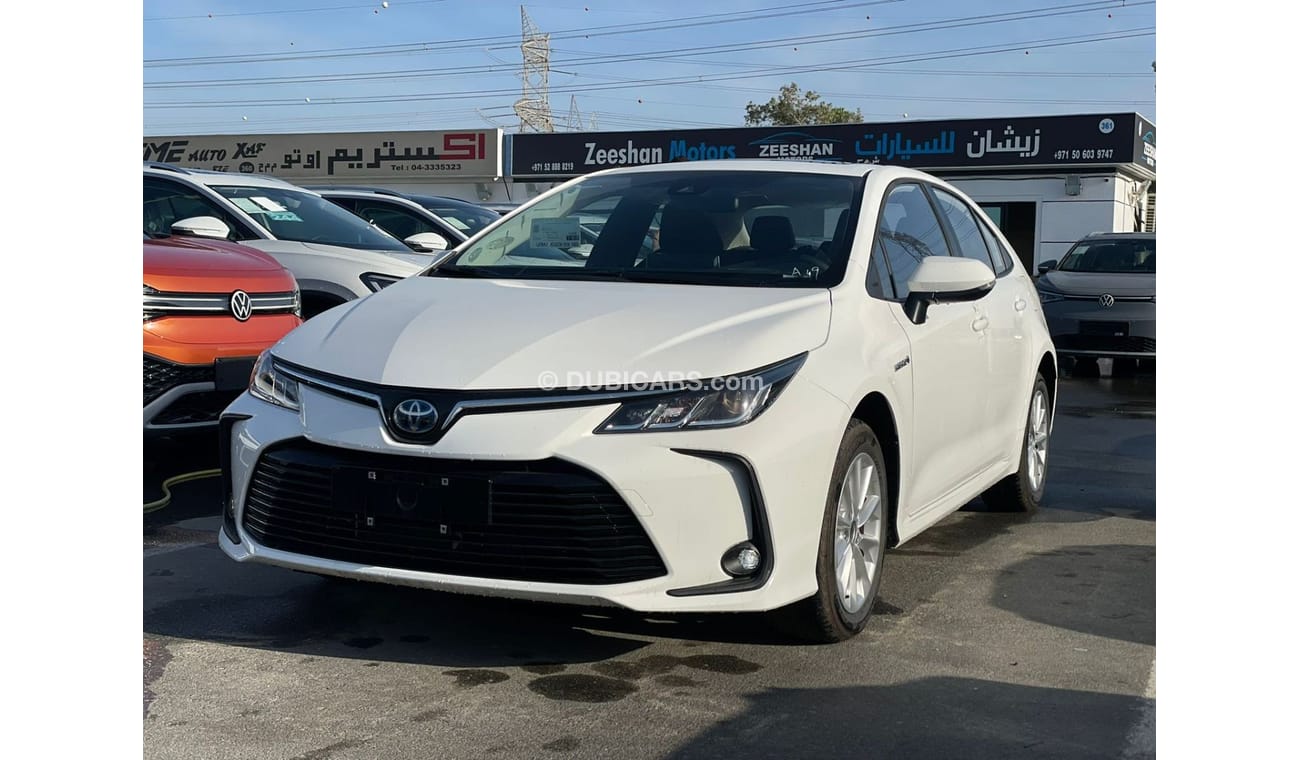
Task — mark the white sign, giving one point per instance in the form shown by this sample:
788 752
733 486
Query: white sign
564 232
470 153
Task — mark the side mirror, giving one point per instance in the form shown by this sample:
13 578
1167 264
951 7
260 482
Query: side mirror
201 226
945 279
427 242
1047 266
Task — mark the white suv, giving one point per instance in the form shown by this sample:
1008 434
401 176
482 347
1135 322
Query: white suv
334 255
813 362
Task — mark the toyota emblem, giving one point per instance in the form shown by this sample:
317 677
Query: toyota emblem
415 416
1106 300
241 306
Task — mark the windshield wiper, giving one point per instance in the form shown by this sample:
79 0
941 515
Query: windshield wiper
451 270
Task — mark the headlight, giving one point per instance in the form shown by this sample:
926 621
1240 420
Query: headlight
148 313
269 384
1049 296
716 403
377 282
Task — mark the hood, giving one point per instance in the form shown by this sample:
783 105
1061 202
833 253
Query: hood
1097 283
388 262
194 256
180 265
463 334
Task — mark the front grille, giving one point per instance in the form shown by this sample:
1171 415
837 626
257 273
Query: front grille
161 376
1103 343
204 406
551 521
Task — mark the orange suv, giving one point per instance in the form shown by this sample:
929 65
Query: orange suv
210 307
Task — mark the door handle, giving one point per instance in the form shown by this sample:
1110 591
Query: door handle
1020 304
980 323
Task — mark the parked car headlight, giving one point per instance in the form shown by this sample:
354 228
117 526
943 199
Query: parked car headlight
270 384
1049 296
377 282
149 313
715 403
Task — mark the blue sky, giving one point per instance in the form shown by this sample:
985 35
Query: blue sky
1109 71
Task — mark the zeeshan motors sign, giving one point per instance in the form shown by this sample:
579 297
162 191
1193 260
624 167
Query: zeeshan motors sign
1100 139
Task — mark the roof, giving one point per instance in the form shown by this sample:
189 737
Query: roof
1121 235
757 165
209 177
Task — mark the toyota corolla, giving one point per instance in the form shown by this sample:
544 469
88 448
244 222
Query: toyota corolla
815 363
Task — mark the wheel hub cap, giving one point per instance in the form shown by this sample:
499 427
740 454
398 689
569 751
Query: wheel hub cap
859 532
1036 440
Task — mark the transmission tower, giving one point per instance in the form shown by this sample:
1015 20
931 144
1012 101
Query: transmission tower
534 108
574 122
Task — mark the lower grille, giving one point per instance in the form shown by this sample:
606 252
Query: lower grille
204 406
161 376
1101 343
551 521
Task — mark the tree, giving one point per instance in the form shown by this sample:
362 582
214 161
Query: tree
791 108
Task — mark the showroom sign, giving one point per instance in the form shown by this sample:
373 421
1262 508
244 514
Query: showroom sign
1101 140
373 155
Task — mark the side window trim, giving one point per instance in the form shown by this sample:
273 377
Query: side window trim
952 234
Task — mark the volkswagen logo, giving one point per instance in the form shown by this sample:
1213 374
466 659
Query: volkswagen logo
1106 300
241 306
415 416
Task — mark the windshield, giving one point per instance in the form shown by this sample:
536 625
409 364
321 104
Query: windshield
295 215
1111 256
745 228
465 217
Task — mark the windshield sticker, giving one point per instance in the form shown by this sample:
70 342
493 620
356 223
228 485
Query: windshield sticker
247 206
267 203
556 233
458 224
284 216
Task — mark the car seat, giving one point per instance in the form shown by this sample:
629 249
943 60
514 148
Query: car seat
772 235
688 240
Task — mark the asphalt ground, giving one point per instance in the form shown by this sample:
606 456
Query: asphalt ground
994 636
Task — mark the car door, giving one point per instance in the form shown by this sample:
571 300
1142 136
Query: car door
167 202
947 359
399 221
1003 333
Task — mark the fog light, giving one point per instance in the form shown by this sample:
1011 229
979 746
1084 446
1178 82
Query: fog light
228 522
741 559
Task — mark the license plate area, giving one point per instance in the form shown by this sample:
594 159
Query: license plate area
381 495
1106 329
233 374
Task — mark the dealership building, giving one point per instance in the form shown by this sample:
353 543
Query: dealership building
1046 181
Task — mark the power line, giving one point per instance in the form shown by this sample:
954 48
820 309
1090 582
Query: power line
376 5
855 65
609 58
438 46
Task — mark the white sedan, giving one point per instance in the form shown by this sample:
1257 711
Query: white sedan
815 363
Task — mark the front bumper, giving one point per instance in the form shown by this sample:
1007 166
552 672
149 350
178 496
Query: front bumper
181 398
695 494
1086 328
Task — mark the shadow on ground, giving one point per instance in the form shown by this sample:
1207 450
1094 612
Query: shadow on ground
933 717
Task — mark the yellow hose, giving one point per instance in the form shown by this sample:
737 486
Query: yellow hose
154 506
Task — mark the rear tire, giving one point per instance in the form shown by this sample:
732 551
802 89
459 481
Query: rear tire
851 552
1023 491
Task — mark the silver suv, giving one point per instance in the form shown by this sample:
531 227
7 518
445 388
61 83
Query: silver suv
334 255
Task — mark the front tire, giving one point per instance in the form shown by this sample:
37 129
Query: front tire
851 551
1023 491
